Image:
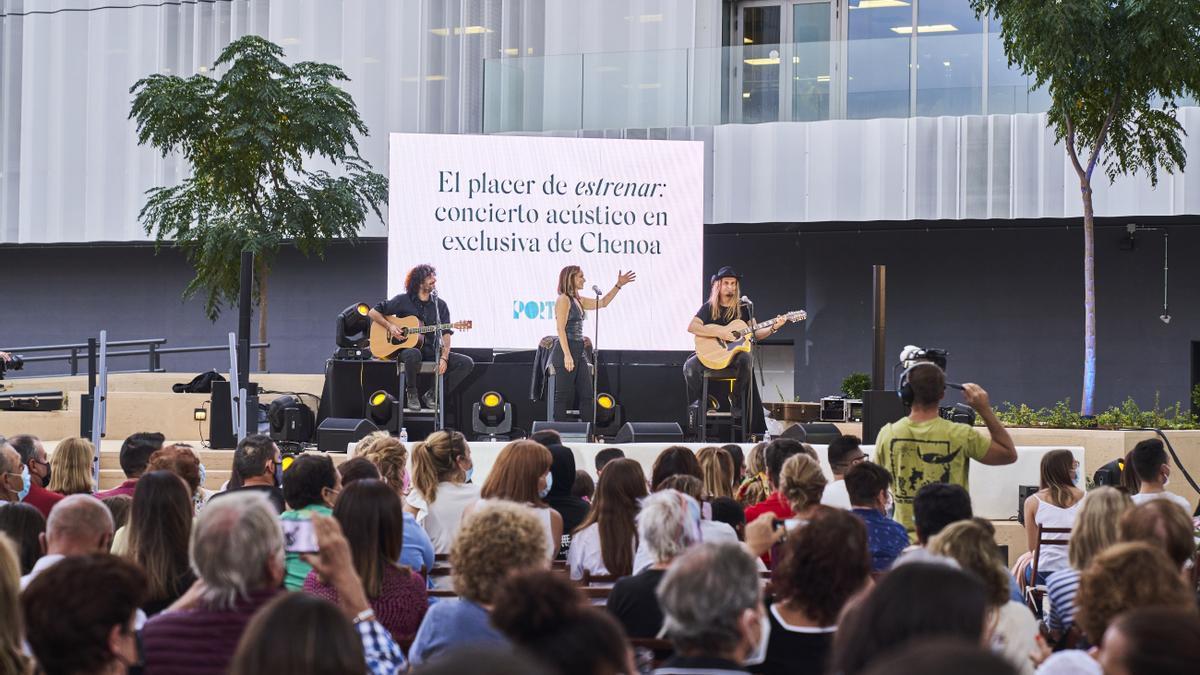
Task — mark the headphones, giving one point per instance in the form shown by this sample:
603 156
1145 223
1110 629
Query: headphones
904 388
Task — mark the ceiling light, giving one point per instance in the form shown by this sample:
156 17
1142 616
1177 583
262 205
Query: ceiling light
747 41
822 78
745 94
946 63
461 30
879 4
511 51
290 41
646 18
764 61
933 28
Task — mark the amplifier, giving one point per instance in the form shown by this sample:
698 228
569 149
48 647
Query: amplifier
32 400
835 409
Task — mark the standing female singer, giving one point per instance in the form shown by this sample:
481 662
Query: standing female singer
568 314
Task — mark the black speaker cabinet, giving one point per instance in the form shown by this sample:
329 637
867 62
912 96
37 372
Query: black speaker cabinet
578 432
880 407
335 433
221 434
649 432
820 433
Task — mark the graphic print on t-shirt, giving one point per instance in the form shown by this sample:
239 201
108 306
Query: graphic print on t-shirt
916 463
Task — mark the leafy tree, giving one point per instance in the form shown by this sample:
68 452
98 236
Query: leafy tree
1115 70
248 136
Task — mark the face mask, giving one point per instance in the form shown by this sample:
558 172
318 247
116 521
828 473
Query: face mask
759 653
25 484
278 474
46 478
203 475
546 490
1077 477
470 472
406 483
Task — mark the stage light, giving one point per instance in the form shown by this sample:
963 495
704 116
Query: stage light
353 326
383 410
491 415
290 419
608 415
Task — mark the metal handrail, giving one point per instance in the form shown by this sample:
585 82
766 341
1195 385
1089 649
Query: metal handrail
153 350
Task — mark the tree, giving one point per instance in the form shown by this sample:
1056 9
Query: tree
248 136
1115 71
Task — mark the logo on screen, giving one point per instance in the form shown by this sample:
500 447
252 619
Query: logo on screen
533 309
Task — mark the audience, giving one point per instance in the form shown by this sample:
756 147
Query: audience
1160 523
936 506
667 525
181 460
13 658
441 486
135 456
34 462
673 461
1095 529
914 601
801 483
78 525
521 474
867 486
1054 505
96 636
844 452
922 657
710 530
484 659
572 509
1124 577
923 448
259 463
717 467
547 616
584 487
71 468
237 553
727 510
605 456
1147 472
372 519
310 485
1014 631
119 506
775 454
160 527
605 542
1152 641
497 538
298 633
755 486
712 610
358 468
16 481
390 457
739 462
821 566
25 527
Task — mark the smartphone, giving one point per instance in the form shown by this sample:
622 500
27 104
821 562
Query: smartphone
298 536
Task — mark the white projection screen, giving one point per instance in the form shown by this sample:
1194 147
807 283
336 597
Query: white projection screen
500 216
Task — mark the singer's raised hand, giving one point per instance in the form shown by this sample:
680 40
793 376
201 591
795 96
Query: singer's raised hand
626 278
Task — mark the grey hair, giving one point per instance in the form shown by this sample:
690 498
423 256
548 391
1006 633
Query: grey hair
703 596
234 539
663 526
79 518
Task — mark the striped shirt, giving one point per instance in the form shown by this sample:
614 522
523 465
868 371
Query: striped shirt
1061 587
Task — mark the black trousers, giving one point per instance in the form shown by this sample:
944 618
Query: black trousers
740 366
458 366
571 385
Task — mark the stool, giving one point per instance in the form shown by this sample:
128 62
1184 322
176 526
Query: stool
739 427
550 384
427 368
549 343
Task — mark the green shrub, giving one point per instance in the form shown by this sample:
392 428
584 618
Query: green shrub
1127 415
855 384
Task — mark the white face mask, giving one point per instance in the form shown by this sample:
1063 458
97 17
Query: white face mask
759 653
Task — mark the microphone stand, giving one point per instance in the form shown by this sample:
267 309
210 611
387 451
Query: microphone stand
755 362
440 413
596 358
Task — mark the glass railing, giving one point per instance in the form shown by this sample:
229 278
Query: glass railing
857 79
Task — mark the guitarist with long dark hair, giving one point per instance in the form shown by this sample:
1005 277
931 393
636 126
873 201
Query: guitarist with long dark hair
417 300
724 306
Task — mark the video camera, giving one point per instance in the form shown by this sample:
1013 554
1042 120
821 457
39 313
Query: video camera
17 363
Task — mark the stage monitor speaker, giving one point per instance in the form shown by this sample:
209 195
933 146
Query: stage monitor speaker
795 432
335 433
577 432
649 432
880 407
821 433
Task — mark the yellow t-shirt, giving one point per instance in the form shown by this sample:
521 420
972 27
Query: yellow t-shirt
920 453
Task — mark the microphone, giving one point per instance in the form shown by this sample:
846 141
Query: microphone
596 290
746 301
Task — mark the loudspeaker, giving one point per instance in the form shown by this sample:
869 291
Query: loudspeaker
579 432
221 434
1023 492
821 433
335 433
649 432
880 407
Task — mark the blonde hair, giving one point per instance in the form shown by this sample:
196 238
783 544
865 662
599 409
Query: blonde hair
717 466
390 456
974 548
801 482
71 467
714 302
435 460
365 444
497 538
1095 527
12 655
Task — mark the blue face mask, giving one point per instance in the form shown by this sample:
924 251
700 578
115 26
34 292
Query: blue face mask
25 484
203 474
470 472
1077 477
546 490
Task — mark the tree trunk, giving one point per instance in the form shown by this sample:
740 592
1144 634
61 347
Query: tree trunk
260 275
1089 300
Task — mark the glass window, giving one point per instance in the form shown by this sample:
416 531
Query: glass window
949 44
878 54
810 61
760 63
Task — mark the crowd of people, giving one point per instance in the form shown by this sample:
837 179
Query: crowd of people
718 561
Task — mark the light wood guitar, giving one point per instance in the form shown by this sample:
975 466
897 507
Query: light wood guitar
384 345
716 354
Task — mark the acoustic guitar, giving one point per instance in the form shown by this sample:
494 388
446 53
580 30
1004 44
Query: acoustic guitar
384 345
716 354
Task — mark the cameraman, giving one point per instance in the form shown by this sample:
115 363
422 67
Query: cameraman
924 448
6 356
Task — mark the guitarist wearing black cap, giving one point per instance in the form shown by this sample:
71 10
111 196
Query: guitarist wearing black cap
712 320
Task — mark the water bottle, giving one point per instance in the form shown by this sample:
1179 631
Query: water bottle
404 435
